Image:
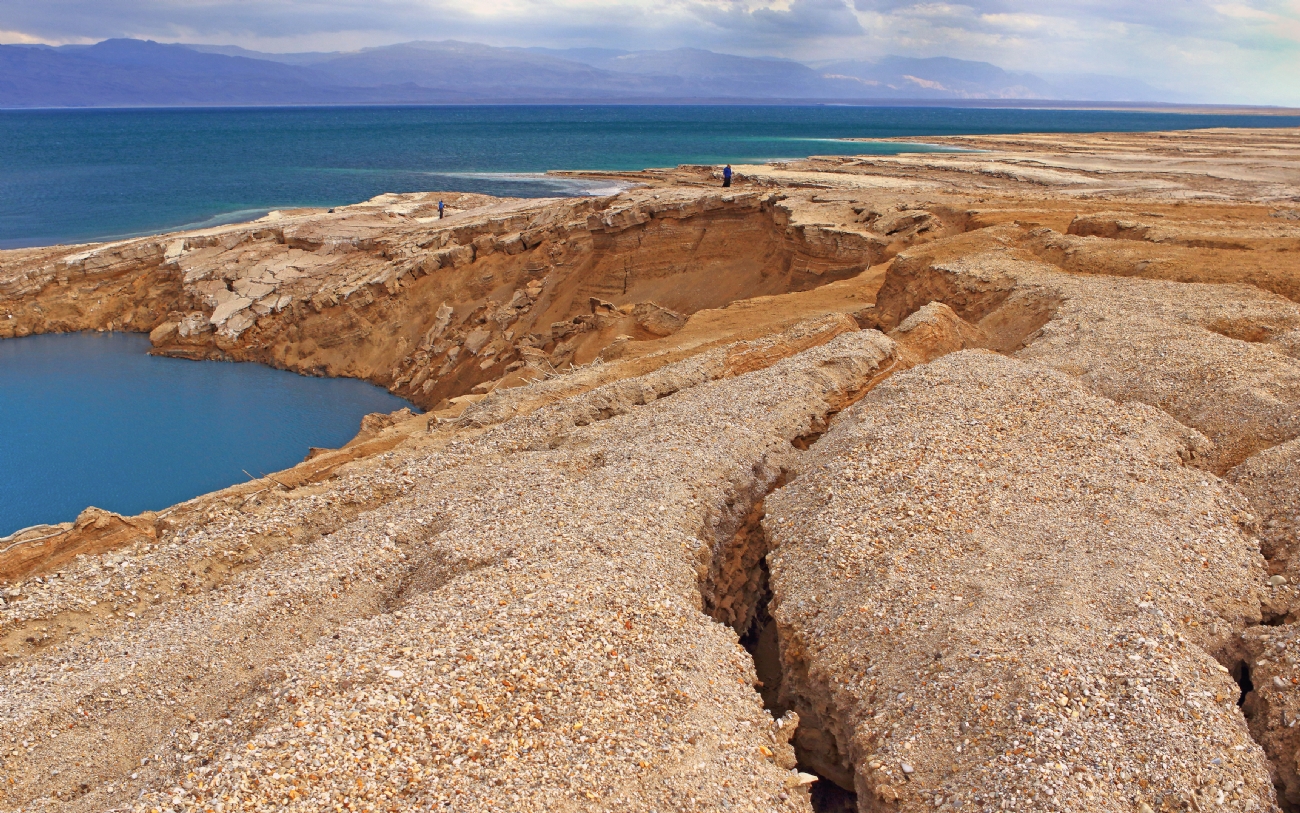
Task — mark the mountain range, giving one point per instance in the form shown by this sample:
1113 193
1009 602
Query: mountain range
131 73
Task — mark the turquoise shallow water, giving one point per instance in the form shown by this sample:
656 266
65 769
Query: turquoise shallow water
90 419
77 175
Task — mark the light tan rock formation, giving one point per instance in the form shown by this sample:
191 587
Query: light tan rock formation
1014 569
430 308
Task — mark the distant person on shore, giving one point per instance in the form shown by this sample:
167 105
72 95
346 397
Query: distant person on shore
442 207
726 175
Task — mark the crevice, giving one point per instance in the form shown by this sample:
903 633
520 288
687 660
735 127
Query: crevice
736 589
1242 675
739 594
1273 617
805 441
761 643
828 797
1277 742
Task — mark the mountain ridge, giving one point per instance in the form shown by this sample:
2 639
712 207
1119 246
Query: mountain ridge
130 72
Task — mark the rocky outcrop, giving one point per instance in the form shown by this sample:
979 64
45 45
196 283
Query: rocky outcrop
935 330
49 547
431 308
676 534
1216 357
1270 268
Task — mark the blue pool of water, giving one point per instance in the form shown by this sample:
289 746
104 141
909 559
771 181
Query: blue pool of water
80 175
90 419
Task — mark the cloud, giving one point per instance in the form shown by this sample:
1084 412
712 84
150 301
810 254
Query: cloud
799 21
23 38
810 17
1214 50
1241 50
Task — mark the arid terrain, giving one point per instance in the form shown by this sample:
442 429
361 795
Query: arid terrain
956 481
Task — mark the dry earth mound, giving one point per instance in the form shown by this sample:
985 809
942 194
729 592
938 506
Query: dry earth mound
1220 358
1015 604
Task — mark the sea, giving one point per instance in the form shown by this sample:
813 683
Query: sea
70 176
91 419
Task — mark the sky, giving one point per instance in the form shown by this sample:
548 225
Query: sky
1242 51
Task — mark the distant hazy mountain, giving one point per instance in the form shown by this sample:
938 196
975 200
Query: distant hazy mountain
127 72
705 74
482 71
134 73
945 78
297 58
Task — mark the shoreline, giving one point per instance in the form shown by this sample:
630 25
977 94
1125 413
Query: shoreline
1180 108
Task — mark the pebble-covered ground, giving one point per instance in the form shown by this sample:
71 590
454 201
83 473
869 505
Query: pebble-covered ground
1271 481
1222 359
1016 604
519 629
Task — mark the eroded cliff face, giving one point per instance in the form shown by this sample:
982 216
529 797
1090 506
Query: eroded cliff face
430 308
924 482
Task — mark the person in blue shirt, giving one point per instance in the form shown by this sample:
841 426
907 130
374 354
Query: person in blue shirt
441 207
726 175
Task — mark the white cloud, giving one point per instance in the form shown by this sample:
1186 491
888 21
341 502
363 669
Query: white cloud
1215 50
1018 22
23 38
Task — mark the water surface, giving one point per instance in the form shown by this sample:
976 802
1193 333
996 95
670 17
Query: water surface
90 419
80 175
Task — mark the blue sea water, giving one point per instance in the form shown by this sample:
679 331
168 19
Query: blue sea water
79 175
90 419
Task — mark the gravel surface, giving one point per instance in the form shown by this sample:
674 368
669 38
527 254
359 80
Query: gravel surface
1219 358
1273 706
1271 481
996 591
518 627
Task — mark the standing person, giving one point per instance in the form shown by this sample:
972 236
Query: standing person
441 207
726 175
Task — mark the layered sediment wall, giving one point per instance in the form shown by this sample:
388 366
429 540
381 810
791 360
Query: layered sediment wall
430 308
